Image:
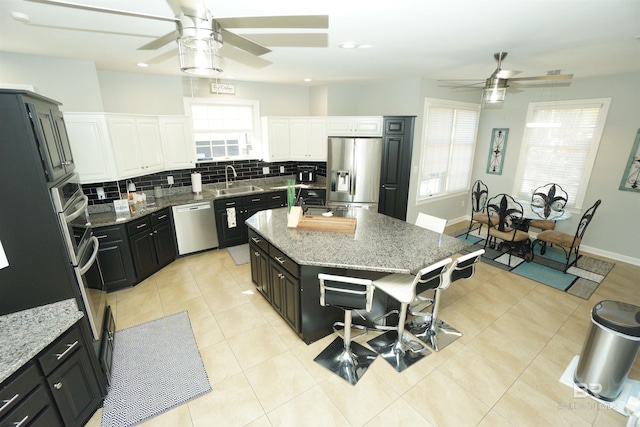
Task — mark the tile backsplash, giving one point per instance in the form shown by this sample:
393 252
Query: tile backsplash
211 173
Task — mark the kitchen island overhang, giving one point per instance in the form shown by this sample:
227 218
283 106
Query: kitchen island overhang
291 259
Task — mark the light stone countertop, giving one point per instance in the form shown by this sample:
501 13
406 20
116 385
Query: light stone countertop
26 333
380 243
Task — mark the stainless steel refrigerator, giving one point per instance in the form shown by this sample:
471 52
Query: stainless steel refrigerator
353 165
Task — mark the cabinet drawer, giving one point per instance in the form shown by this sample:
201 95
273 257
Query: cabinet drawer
61 350
29 409
284 261
18 388
160 217
227 203
139 225
254 200
276 199
109 234
258 240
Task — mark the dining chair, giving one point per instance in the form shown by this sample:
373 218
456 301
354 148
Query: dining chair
547 199
505 214
431 222
570 244
479 196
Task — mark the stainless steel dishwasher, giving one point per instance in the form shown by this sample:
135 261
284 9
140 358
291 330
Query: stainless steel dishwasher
195 226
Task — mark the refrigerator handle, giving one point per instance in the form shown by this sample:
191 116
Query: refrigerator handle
354 166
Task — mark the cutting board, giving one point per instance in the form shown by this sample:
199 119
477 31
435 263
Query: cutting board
327 223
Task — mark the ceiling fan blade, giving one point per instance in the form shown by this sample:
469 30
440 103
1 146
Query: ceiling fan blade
103 9
506 74
298 21
160 41
551 77
173 53
470 85
291 40
194 8
229 52
243 43
534 85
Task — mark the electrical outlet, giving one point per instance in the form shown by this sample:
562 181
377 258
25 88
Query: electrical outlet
463 203
170 180
281 169
265 170
100 193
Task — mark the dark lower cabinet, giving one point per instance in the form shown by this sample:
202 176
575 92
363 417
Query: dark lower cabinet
260 270
396 166
232 233
152 242
115 259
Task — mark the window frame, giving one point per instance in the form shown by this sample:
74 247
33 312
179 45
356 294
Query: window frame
257 132
430 102
576 201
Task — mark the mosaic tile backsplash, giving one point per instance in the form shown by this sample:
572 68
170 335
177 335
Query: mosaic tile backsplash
211 173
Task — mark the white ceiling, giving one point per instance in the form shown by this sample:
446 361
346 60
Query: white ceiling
443 39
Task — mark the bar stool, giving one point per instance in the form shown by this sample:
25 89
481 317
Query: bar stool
345 358
434 331
396 346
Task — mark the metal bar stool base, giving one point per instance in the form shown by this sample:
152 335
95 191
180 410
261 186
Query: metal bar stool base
399 355
351 364
437 337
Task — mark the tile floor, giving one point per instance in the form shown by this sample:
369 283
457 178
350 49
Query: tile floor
519 336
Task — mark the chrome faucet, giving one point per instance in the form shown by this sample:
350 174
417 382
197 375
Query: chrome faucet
226 175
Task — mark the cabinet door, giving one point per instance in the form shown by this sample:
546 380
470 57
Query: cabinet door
74 388
276 140
150 145
367 126
165 243
143 252
339 126
290 300
317 140
63 141
260 271
229 235
298 139
124 138
46 137
115 257
178 143
89 139
396 167
276 277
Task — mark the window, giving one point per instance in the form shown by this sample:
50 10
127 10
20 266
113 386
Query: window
560 144
225 129
449 140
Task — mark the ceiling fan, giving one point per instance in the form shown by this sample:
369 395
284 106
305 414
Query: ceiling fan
495 87
201 37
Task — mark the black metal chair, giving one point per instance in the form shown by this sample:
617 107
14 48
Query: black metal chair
429 327
345 358
570 244
396 346
547 201
505 216
479 196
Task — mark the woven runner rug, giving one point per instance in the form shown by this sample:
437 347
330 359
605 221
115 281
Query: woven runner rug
239 254
156 367
581 280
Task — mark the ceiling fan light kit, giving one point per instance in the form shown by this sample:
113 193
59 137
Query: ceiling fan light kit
198 46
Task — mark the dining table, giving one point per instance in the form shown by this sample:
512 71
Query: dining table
531 211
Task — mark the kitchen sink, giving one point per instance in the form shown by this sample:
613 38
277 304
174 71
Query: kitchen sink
238 190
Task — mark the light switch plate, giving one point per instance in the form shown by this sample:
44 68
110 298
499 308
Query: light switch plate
100 193
265 170
170 180
281 169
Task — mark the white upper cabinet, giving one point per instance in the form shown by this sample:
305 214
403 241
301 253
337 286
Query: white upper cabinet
275 139
178 143
91 147
308 139
354 126
137 145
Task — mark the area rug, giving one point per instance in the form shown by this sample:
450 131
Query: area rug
581 280
240 253
156 367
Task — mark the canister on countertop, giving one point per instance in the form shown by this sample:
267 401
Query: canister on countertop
157 191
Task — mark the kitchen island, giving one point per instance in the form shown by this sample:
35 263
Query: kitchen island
285 262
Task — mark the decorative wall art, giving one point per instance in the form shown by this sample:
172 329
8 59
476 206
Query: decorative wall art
497 150
631 176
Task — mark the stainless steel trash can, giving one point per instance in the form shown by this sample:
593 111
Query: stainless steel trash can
609 350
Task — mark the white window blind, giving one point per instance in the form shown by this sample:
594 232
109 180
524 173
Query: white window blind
448 145
224 130
560 144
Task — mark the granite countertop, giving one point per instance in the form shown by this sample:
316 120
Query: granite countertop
183 195
380 243
26 333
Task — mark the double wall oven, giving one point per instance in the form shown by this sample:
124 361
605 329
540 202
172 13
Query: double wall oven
82 246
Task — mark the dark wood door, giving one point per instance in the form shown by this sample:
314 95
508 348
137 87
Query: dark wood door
115 257
143 252
396 166
47 140
260 271
164 243
291 300
228 233
276 275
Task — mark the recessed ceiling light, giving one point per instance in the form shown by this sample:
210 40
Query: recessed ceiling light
349 45
142 64
308 79
20 17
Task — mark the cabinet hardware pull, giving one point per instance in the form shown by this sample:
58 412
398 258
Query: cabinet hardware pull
22 421
280 260
8 402
155 231
64 353
151 234
142 225
257 254
276 197
256 240
255 200
58 385
162 217
104 236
